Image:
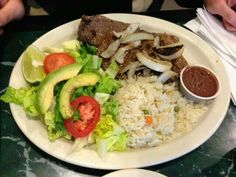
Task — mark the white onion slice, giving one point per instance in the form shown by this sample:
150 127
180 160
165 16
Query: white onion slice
172 56
136 36
129 30
127 68
112 48
169 45
156 42
122 51
135 43
132 69
120 54
153 63
166 75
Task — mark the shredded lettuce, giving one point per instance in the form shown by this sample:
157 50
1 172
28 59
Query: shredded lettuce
93 63
53 131
108 85
96 62
76 55
121 143
86 48
107 127
53 50
101 97
111 107
87 91
112 69
71 45
85 55
109 136
24 97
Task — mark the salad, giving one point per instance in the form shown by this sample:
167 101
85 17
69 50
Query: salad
70 94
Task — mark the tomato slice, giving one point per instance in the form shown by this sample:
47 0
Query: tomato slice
89 110
55 61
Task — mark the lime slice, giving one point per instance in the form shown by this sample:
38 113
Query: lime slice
32 64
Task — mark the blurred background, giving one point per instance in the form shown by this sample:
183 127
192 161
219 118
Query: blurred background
35 9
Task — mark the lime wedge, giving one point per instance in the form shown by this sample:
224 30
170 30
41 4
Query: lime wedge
32 64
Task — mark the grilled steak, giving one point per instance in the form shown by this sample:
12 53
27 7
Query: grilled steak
98 31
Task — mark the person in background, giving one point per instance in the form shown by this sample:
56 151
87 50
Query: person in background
10 10
226 9
14 9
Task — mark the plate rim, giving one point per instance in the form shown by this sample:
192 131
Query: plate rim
73 161
133 171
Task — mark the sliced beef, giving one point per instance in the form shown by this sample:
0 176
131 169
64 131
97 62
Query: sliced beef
129 58
148 47
98 30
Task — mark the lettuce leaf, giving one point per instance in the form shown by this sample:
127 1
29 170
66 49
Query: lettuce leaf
86 48
111 107
87 91
55 126
85 55
108 85
112 69
24 97
109 136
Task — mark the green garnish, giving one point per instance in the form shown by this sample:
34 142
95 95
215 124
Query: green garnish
145 111
176 108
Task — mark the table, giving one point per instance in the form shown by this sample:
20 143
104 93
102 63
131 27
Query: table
19 157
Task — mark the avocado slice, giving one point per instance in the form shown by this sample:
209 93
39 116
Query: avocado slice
81 80
45 94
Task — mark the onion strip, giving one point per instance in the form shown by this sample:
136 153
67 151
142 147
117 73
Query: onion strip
168 46
136 36
172 56
166 75
129 30
132 69
156 42
135 43
112 48
153 63
120 54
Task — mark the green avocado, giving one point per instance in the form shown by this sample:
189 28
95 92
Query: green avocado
45 94
81 80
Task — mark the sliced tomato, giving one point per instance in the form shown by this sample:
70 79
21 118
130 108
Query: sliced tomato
55 61
89 110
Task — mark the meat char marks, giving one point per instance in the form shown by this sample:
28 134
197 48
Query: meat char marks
98 31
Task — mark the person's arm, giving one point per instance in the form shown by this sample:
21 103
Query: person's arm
226 9
10 10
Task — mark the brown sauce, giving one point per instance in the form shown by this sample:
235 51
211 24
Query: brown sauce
200 81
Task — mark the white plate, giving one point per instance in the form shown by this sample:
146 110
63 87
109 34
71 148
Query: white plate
196 51
134 173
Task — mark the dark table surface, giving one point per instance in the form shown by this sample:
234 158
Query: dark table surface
19 157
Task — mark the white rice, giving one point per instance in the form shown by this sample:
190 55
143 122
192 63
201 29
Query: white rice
146 93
